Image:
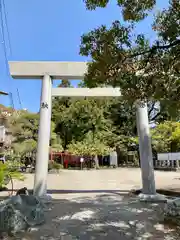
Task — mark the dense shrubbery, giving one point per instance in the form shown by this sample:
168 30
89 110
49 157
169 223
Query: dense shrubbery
9 170
166 137
53 165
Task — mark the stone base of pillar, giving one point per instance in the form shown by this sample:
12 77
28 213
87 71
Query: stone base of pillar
152 198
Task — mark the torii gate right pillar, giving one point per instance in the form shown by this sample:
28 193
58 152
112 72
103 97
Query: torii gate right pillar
145 149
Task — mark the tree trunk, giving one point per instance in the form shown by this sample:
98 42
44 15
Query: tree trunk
96 160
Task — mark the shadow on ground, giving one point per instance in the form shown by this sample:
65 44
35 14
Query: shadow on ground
104 216
101 214
70 191
169 192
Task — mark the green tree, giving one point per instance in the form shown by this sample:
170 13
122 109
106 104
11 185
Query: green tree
110 120
59 106
132 10
166 137
91 145
80 117
24 129
122 58
25 132
55 141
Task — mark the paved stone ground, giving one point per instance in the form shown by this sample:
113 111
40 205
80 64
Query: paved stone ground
95 205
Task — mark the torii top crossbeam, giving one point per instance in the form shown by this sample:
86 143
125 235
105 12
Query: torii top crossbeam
57 70
60 70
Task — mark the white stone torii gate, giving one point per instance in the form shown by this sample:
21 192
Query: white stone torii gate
47 71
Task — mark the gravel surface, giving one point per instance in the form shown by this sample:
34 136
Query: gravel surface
103 216
96 205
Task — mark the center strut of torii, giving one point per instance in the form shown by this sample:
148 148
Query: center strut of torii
47 71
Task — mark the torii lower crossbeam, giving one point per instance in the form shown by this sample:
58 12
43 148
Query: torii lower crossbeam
75 70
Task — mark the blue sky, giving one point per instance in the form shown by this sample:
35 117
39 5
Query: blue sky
50 30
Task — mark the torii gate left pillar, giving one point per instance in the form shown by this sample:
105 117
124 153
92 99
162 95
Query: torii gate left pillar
43 138
75 70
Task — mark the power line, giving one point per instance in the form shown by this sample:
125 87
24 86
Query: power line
6 24
3 27
20 103
11 100
3 35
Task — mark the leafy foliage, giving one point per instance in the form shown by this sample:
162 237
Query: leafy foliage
131 9
54 165
74 118
8 169
122 58
89 146
29 145
166 137
25 133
